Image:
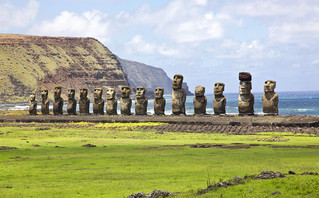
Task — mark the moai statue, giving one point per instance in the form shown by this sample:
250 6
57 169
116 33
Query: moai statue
245 99
45 103
219 101
58 101
98 103
178 96
140 101
33 105
270 98
200 100
159 101
84 102
111 102
125 101
71 102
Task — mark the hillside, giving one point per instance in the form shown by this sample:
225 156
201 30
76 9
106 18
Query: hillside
32 63
150 77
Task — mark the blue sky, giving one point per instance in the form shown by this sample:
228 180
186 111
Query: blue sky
205 41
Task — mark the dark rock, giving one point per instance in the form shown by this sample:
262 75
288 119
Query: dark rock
276 193
89 145
309 173
291 173
269 175
244 76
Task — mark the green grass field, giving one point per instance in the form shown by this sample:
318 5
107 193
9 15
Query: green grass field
50 161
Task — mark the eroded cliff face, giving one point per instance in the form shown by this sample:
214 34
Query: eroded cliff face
32 63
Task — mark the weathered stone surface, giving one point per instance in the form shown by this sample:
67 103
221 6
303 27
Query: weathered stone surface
58 101
84 102
219 101
159 101
154 194
111 102
269 175
45 102
200 100
141 101
178 96
33 105
71 108
125 101
270 98
246 98
98 103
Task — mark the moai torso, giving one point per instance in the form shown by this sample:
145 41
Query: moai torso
33 105
111 102
159 101
45 103
125 101
98 103
270 98
245 99
140 101
58 102
178 96
84 102
200 101
71 108
219 101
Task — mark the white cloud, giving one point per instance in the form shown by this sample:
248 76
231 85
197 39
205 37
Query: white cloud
12 16
88 24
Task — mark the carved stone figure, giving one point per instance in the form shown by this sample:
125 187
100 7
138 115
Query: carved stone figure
111 102
45 102
200 100
159 101
178 96
71 102
140 101
33 105
98 103
219 101
58 101
270 98
125 101
245 99
84 102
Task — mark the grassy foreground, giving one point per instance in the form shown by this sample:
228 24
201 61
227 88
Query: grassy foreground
50 161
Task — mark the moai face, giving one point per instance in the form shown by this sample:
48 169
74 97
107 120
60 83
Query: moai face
125 92
32 97
219 88
98 93
140 92
83 93
244 87
110 93
177 81
57 92
71 93
44 94
270 86
199 91
159 92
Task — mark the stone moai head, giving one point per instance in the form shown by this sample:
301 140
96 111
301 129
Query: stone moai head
269 86
44 94
57 92
219 88
98 93
140 92
245 83
110 93
32 97
83 93
125 91
159 92
199 91
177 81
71 94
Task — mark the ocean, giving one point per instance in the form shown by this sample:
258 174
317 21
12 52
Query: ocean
290 103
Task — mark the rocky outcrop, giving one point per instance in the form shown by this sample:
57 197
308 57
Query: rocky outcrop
32 63
150 77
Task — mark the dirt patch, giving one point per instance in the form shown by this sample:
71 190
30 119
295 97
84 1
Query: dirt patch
89 145
223 146
19 158
7 148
